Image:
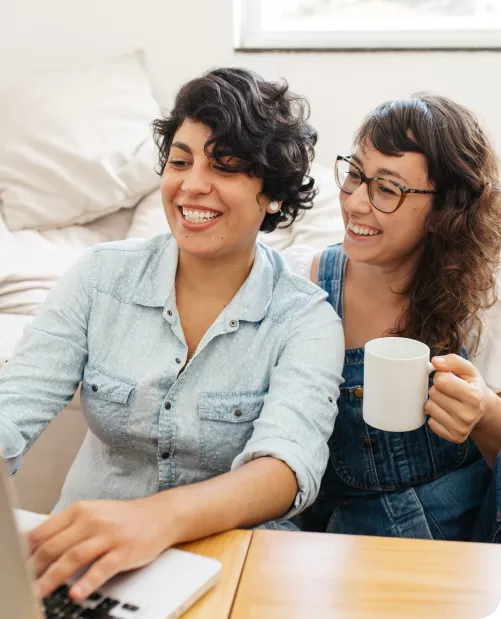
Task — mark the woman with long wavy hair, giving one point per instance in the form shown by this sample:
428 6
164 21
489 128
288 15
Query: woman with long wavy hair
421 204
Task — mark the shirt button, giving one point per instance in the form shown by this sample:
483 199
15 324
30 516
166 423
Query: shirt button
95 388
169 313
178 360
233 324
330 399
359 392
165 455
167 406
237 413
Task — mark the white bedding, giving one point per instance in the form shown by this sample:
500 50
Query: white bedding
32 261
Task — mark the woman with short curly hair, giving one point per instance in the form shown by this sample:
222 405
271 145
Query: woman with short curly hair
209 372
421 203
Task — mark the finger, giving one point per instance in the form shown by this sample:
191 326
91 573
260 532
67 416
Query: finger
456 364
463 412
439 430
48 529
98 574
442 418
55 547
467 393
75 558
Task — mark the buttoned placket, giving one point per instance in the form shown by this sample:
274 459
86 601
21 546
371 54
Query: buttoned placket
225 324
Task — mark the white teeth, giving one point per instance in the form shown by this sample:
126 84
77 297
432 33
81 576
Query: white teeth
362 230
197 217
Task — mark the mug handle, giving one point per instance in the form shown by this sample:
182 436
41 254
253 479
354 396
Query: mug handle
430 367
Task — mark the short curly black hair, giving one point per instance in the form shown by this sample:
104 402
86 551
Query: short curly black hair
262 124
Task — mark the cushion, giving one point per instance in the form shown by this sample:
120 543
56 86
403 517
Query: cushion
76 144
31 261
149 218
11 328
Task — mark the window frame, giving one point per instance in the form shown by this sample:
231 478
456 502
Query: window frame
249 36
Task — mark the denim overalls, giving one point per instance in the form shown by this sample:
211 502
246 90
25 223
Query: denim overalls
397 484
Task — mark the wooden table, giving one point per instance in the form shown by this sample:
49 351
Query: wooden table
231 549
312 576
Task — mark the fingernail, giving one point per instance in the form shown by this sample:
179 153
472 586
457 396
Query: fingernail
79 592
439 360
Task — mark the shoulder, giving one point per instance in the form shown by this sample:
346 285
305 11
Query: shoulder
293 295
485 352
126 260
331 253
130 248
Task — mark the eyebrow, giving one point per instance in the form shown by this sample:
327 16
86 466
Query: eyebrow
382 171
182 146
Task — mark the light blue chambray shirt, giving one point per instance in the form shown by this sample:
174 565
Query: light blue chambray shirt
263 381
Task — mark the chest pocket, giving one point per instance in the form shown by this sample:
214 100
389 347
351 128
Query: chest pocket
226 424
106 401
370 459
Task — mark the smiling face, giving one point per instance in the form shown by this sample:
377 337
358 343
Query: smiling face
373 237
212 212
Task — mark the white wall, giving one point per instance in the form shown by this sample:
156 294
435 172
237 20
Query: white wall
183 38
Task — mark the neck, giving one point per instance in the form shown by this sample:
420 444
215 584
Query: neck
219 277
387 282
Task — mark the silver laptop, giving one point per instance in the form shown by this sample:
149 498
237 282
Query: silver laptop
162 590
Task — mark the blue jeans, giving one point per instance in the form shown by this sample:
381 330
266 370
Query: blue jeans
488 526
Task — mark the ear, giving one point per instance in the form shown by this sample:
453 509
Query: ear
274 207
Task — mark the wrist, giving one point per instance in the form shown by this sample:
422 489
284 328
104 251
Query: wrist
492 409
164 513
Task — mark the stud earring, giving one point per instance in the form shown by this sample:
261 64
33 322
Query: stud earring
274 206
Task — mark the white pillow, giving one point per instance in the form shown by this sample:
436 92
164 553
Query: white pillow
149 218
32 261
76 145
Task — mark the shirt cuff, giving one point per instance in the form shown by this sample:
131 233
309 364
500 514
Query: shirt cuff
11 449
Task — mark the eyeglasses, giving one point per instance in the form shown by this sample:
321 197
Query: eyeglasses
385 195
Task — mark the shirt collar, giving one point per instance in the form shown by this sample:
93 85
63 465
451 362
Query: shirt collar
157 289
252 300
157 283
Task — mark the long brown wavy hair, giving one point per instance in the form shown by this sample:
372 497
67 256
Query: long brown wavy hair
455 279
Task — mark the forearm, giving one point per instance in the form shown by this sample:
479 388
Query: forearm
487 433
261 490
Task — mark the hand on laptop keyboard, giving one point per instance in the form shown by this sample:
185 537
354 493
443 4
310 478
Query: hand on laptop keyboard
110 536
59 605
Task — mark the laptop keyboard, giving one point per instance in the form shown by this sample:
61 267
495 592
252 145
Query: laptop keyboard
59 605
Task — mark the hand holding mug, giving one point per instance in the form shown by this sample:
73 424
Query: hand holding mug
458 398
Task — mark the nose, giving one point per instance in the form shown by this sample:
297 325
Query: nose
358 202
197 181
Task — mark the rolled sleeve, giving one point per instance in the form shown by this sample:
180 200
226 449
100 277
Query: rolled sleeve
301 405
46 368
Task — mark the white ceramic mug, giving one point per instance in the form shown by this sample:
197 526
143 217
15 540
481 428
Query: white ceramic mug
396 373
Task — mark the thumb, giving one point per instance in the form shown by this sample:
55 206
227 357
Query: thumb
455 364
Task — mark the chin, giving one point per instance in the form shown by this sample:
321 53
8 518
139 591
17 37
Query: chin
359 253
197 247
